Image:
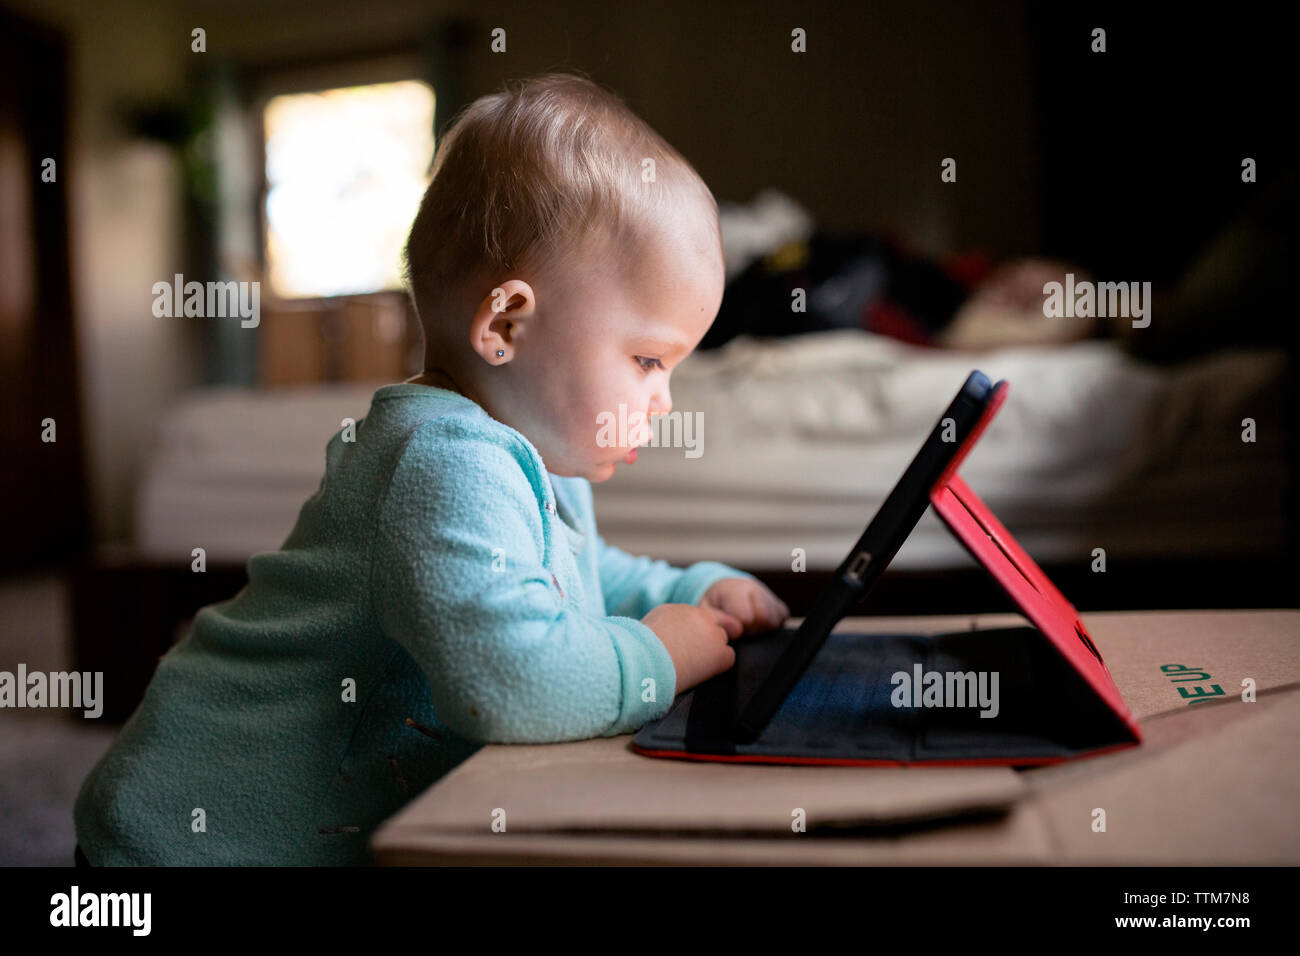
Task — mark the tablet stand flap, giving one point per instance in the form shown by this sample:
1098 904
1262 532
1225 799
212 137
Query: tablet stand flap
995 400
992 545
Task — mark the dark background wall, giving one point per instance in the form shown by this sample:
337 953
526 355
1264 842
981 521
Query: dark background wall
1140 149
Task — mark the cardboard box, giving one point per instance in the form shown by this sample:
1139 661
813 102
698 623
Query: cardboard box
1216 780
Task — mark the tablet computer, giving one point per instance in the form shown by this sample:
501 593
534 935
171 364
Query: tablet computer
808 696
955 430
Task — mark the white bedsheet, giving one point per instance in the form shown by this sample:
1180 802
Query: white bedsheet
803 438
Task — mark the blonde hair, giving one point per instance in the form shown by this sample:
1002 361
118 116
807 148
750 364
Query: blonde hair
527 178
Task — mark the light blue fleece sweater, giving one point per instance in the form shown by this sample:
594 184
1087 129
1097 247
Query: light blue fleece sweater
446 575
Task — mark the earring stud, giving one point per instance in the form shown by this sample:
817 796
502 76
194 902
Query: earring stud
500 352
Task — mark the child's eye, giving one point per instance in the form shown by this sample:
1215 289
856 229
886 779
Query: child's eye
642 360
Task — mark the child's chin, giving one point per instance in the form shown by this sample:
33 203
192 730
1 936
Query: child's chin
602 471
599 471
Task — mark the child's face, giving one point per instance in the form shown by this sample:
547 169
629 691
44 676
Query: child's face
594 343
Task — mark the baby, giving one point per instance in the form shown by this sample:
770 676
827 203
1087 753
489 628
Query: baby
446 586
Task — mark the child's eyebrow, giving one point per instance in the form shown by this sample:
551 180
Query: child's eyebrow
664 345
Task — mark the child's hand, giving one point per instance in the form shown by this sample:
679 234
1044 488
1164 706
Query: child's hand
750 602
696 639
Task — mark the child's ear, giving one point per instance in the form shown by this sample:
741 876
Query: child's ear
491 334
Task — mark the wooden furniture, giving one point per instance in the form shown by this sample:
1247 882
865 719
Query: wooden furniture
360 338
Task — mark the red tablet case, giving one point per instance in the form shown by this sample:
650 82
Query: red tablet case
992 545
971 521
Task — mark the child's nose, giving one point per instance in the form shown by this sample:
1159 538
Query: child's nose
662 402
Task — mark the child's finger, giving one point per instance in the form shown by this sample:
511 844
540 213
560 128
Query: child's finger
767 607
771 600
730 623
778 606
727 604
779 610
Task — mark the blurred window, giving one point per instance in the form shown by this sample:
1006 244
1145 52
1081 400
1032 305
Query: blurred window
345 171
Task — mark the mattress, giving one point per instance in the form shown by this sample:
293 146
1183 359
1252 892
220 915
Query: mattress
796 442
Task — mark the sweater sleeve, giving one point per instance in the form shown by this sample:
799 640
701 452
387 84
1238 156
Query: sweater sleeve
633 586
458 579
